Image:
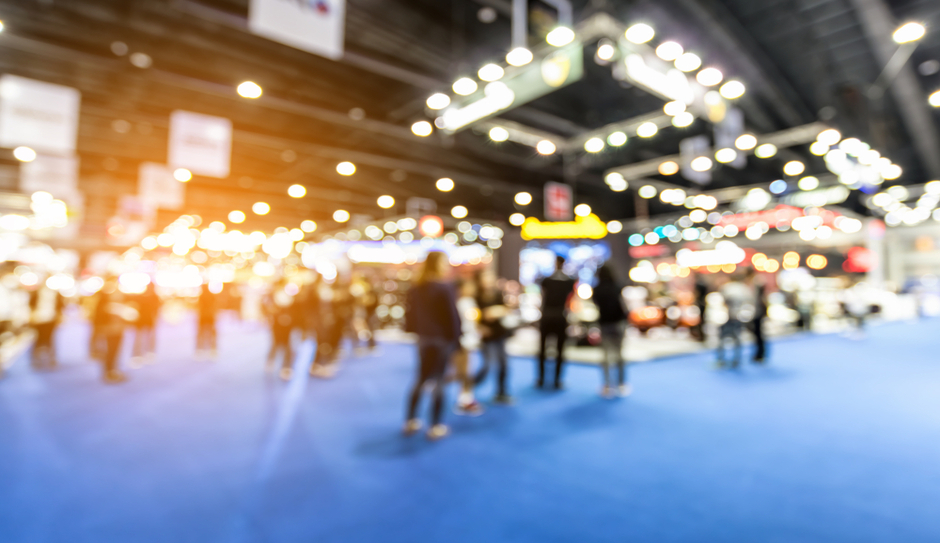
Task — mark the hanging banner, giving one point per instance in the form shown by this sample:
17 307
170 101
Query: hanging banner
39 115
558 201
200 143
158 188
57 175
315 26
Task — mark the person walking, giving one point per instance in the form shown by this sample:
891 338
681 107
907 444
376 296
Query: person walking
759 293
46 311
739 301
431 314
205 333
556 291
145 338
283 315
493 334
612 319
113 315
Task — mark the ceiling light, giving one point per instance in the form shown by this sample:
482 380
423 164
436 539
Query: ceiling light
560 36
726 155
639 33
520 56
934 99
668 168
606 51
701 164
308 226
465 86
261 208
385 201
794 167
669 51
523 198
765 150
674 108
445 184
458 212
647 130
545 147
24 154
908 33
808 183
683 119
236 217
490 72
617 139
819 148
614 227
498 133
688 62
647 191
732 90
709 77
422 128
745 142
249 89
340 215
779 186
582 210
345 168
829 137
438 101
594 145
182 175
296 191
892 172
516 219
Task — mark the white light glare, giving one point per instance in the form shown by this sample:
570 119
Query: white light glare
438 101
498 133
606 51
617 139
669 51
24 154
421 128
545 147
732 90
249 89
745 142
594 145
683 119
560 36
673 108
465 86
647 130
490 72
908 33
688 62
582 210
523 198
639 33
709 77
520 56
934 99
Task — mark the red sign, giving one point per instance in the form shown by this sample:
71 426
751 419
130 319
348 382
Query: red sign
558 200
780 214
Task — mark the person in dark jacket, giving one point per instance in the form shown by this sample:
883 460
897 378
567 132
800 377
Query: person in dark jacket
432 315
205 333
145 341
493 334
760 313
284 314
612 320
556 290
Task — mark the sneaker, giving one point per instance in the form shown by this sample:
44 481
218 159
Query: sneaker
624 390
504 399
469 409
114 377
412 426
438 431
286 373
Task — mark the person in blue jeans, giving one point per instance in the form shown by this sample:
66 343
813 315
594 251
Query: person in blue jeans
612 320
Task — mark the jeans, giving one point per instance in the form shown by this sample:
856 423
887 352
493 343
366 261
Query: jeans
730 330
612 345
558 327
433 355
494 352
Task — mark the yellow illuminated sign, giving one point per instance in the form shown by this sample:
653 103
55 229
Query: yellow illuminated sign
590 227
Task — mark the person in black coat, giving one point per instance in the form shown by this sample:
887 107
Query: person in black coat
493 334
612 319
431 314
556 291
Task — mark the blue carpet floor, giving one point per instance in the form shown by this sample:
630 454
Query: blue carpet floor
837 440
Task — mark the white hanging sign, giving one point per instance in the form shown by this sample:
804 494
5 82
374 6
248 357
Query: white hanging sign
39 115
315 26
200 143
158 187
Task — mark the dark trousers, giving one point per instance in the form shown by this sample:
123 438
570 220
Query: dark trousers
760 346
493 352
44 345
280 341
205 336
558 327
433 354
112 350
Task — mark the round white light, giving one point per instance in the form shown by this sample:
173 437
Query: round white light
296 191
766 150
345 168
498 133
458 212
819 148
709 77
516 219
594 145
308 226
438 101
829 137
340 215
582 210
560 36
668 168
520 56
445 184
545 147
745 142
465 86
669 51
726 155
261 208
701 164
24 154
934 99
647 191
794 167
808 183
490 72
422 129
614 227
892 172
385 201
673 108
617 139
908 33
683 120
236 217
606 51
647 130
732 90
249 89
182 175
688 62
639 33
523 198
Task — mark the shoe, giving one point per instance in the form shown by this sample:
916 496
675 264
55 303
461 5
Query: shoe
624 390
412 426
114 377
438 431
469 409
758 361
559 386
607 392
504 399
539 384
321 371
286 373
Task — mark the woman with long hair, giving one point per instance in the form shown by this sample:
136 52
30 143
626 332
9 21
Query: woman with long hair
432 315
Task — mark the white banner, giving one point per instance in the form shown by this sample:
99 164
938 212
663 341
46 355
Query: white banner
200 143
57 175
158 187
39 115
315 26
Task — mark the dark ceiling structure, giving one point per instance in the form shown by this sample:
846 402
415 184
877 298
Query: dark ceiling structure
803 61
